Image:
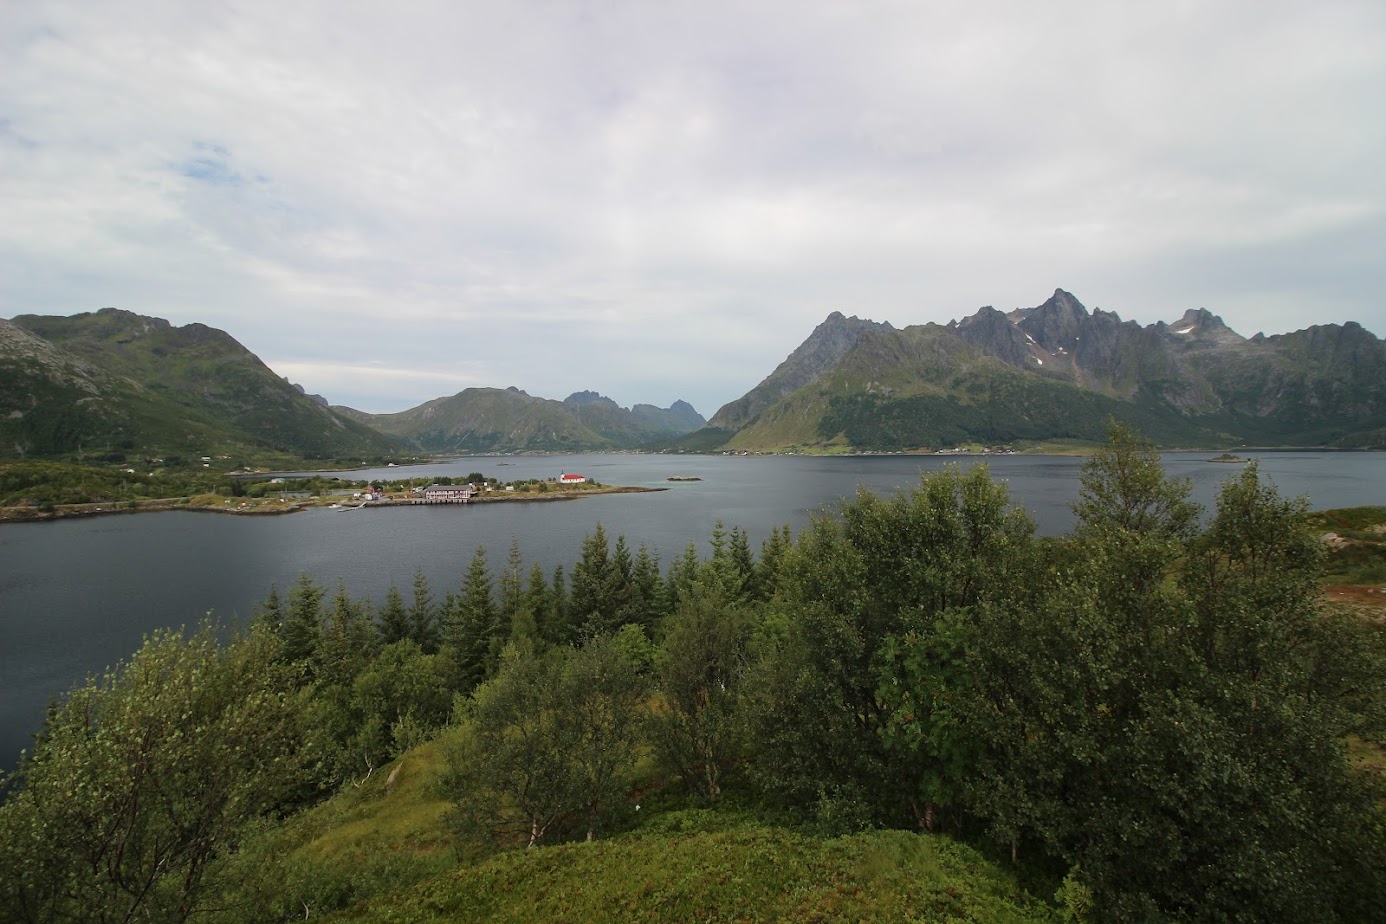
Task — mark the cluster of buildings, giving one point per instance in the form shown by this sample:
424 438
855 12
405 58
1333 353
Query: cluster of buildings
461 493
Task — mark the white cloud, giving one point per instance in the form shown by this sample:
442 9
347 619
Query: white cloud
668 197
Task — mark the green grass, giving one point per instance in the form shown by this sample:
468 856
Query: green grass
367 840
1360 555
700 865
1349 518
374 855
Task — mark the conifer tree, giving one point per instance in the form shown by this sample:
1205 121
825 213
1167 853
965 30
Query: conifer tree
470 625
539 601
514 614
393 623
562 630
601 594
733 561
772 554
683 573
269 614
348 639
303 621
423 615
649 590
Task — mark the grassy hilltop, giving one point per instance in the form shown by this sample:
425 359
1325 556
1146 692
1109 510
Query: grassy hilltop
384 852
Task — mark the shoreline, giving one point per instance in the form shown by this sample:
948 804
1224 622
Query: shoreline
82 511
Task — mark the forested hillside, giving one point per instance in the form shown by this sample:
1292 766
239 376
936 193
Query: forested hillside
914 709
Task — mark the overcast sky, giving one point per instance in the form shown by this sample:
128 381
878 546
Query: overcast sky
389 202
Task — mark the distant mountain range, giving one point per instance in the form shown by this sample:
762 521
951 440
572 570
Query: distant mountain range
111 383
1058 372
510 420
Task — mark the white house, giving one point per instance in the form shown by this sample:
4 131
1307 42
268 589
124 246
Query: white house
571 479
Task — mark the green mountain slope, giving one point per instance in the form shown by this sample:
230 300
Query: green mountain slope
511 420
823 349
117 381
490 420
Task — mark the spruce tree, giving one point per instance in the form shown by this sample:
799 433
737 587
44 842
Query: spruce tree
561 623
423 615
772 554
649 590
539 601
348 639
683 573
394 624
470 626
269 614
303 621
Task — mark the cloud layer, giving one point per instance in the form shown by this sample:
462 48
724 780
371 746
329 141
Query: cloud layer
393 202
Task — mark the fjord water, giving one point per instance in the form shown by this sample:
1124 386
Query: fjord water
76 596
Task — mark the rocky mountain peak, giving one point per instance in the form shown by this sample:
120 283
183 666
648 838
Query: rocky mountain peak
588 397
994 332
1201 326
686 411
830 341
1198 320
1057 325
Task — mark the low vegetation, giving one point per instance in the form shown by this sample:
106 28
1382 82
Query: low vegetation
1357 539
35 490
915 709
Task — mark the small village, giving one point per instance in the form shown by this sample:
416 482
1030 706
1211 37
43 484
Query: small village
286 494
565 485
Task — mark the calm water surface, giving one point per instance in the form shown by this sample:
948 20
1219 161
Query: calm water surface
78 595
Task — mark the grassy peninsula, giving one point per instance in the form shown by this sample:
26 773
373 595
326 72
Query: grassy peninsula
31 491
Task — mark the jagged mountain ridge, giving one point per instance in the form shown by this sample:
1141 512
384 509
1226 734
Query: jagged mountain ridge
123 382
635 426
1057 371
511 420
823 349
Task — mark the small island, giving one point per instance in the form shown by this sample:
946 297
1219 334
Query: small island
1229 458
683 478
